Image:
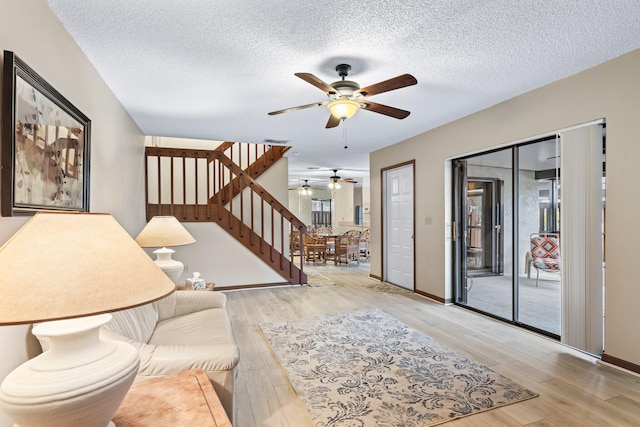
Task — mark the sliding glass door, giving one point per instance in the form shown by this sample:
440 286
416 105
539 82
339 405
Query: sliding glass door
483 191
539 282
512 258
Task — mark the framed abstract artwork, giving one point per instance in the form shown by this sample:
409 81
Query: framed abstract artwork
45 145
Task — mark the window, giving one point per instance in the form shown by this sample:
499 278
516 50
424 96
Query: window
321 212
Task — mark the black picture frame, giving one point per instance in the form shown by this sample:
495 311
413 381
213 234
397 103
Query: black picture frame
45 145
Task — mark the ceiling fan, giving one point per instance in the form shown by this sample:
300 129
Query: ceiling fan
335 180
346 97
306 188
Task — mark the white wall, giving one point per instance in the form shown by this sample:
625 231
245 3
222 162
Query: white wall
219 257
610 90
300 204
31 31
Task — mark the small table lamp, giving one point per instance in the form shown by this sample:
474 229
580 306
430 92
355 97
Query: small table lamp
163 231
68 270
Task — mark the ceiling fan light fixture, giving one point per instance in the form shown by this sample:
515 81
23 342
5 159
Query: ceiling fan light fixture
305 190
334 182
343 108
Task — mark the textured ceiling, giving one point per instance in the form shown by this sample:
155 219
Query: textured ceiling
212 69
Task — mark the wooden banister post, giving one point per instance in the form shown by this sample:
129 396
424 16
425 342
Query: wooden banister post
208 188
159 187
184 185
241 183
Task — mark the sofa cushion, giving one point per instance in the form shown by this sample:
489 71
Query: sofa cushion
209 327
136 323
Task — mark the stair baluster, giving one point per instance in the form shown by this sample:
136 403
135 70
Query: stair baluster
225 181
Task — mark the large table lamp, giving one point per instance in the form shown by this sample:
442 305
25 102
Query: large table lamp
163 231
69 270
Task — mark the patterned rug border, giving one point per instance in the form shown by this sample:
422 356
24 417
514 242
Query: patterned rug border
409 415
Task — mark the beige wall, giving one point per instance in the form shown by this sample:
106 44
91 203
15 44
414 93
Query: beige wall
29 29
611 91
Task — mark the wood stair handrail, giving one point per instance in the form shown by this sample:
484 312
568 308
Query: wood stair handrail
224 146
264 194
219 155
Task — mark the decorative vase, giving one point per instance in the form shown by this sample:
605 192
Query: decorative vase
79 380
172 268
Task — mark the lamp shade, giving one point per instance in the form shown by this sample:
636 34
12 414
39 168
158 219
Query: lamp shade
164 231
343 108
67 265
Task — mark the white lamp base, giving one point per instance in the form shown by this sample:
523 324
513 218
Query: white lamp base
80 380
171 267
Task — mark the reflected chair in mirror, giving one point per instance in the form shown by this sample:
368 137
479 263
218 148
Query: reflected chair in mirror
545 253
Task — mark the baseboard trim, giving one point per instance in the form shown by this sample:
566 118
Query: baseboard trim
421 293
259 285
621 363
433 297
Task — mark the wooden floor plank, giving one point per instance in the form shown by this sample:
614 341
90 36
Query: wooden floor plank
574 389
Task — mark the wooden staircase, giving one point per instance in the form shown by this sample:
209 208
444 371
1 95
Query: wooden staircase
220 186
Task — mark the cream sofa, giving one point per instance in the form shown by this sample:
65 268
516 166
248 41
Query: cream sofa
187 330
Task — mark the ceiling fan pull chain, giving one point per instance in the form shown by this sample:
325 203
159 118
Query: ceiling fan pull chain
344 132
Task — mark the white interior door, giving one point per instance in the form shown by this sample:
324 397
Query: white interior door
398 226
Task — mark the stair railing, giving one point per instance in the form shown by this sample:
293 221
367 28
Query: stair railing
206 185
245 155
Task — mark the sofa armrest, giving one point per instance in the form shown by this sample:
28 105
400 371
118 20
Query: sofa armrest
145 351
184 302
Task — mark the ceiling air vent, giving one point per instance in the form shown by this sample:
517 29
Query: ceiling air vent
275 141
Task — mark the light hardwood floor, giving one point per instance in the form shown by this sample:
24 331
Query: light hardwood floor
574 390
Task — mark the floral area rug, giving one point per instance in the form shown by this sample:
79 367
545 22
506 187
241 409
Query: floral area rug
367 369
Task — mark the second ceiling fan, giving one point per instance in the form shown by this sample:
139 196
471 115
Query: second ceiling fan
334 181
346 97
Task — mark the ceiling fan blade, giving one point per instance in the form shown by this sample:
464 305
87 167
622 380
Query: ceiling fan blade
386 110
387 85
301 107
333 121
310 78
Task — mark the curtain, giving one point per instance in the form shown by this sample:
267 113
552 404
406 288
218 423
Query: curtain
581 152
